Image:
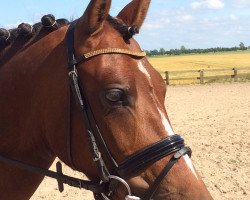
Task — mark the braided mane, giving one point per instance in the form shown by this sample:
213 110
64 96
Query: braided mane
14 40
25 32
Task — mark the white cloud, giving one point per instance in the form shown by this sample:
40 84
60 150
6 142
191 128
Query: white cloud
241 3
233 17
187 17
210 4
152 26
196 28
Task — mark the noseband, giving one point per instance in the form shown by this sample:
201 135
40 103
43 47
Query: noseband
171 145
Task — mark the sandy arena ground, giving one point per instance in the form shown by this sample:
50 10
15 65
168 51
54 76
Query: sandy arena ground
215 121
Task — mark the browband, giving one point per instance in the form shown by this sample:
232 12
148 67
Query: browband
107 51
114 51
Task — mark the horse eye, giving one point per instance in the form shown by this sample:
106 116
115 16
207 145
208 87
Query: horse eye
115 95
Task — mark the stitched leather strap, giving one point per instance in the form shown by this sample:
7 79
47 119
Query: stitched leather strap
90 123
149 155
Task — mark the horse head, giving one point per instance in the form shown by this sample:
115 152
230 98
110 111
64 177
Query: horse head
126 96
111 124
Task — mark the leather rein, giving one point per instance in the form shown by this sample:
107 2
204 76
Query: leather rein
103 189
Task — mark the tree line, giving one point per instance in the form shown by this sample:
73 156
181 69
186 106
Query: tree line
184 50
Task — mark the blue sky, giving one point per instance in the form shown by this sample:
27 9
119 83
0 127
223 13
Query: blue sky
169 24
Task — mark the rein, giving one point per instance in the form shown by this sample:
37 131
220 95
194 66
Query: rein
59 176
171 145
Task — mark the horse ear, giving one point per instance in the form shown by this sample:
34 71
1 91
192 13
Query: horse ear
95 15
135 12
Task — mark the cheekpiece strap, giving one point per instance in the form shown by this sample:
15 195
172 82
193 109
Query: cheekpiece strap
70 45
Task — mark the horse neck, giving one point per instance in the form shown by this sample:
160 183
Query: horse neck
27 106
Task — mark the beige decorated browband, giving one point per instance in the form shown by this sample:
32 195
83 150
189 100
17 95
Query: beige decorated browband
114 51
94 53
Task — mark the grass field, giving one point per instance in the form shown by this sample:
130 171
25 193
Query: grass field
229 60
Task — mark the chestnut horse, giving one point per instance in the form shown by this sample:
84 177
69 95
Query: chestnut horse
125 98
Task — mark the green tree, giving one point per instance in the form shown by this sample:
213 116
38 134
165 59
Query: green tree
183 49
162 51
242 46
154 52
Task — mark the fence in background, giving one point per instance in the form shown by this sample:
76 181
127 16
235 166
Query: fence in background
208 75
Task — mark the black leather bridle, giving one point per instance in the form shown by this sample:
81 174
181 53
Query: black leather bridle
103 189
138 161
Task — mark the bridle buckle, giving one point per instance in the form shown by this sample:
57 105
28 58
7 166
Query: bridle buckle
73 72
127 197
98 157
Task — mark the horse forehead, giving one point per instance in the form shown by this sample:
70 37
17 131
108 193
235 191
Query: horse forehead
124 68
